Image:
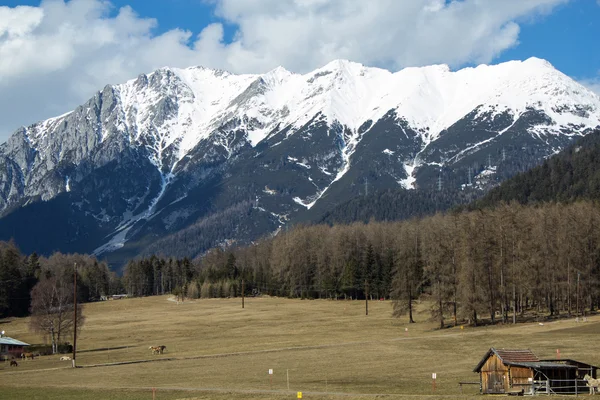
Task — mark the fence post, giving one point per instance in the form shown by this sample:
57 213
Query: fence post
575 386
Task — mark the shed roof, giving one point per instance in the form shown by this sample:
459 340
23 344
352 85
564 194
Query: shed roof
509 357
12 342
544 365
569 361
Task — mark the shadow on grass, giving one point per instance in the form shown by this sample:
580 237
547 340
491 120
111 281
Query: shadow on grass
105 349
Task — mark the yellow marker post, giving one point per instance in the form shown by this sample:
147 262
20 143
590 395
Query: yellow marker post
299 395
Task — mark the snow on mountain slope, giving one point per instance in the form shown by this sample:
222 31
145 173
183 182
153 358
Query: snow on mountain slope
430 99
170 111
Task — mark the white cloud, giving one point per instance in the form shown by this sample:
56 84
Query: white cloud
592 84
54 57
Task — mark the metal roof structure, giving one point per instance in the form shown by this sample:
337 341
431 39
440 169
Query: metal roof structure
12 342
543 365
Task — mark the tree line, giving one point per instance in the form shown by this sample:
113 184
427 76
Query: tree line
505 263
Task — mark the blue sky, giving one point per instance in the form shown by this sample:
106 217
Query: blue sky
55 53
569 38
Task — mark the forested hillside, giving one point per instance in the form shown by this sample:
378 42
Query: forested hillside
395 205
570 175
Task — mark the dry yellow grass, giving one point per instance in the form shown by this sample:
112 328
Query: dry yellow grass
217 350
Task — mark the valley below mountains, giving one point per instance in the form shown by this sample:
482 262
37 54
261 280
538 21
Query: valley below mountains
182 160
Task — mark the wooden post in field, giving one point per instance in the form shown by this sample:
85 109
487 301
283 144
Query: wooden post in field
577 312
433 378
153 393
74 313
287 372
366 297
242 292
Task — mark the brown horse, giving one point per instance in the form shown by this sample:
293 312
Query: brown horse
157 349
25 356
13 363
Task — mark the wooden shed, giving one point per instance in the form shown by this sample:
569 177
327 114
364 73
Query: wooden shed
521 371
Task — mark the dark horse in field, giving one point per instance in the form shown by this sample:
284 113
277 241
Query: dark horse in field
13 363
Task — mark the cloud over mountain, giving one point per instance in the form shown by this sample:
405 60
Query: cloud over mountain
54 56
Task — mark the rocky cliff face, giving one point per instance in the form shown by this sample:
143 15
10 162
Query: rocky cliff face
205 157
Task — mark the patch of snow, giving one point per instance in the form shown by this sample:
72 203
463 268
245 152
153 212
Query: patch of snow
298 200
388 152
269 191
324 170
409 181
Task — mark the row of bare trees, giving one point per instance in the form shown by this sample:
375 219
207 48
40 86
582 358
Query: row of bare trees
502 264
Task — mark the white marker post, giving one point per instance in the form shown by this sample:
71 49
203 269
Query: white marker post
271 378
433 378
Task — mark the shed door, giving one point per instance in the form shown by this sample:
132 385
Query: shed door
495 382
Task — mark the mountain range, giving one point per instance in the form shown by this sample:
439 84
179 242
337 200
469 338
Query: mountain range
181 160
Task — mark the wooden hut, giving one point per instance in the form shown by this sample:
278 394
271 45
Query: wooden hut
521 371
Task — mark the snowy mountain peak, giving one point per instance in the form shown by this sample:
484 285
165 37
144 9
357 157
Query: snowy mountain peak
171 110
277 76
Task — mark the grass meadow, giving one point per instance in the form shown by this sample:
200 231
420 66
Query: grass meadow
328 349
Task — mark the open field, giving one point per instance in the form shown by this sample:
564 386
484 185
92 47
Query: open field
330 349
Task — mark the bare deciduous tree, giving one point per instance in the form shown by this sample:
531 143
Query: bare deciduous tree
52 310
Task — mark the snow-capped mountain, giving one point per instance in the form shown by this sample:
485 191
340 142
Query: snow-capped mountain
182 151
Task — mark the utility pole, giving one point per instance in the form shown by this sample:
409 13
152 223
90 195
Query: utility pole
242 292
577 312
366 297
74 313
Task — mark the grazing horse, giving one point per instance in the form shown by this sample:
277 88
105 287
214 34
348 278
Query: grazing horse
592 383
25 356
13 363
157 349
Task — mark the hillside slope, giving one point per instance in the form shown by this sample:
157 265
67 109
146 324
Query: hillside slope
570 175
